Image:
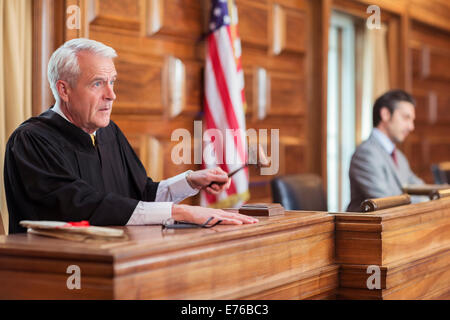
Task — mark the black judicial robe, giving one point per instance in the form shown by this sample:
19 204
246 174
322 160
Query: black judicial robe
53 172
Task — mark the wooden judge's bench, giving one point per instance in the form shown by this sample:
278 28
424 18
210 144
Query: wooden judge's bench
301 255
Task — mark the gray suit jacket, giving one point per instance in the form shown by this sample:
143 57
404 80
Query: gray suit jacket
373 174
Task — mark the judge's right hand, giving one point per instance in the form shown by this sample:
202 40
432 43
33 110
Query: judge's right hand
199 215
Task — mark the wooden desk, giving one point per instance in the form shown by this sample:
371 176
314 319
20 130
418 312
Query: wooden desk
410 244
284 257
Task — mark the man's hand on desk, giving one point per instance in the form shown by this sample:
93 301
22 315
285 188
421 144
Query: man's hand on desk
203 179
199 215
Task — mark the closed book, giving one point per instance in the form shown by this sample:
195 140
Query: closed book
262 209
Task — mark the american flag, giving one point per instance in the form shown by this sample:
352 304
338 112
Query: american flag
224 105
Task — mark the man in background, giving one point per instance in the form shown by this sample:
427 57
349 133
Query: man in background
378 169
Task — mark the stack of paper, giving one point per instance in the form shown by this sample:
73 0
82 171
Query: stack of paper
72 231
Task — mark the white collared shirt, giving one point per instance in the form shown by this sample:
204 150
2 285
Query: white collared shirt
170 191
384 140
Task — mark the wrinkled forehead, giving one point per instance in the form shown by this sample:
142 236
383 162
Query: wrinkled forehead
94 65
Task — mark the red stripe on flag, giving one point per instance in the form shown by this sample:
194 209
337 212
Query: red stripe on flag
238 65
223 91
211 124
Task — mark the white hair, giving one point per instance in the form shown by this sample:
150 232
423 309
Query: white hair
63 64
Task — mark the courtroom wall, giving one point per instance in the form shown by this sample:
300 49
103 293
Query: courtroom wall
430 85
274 37
287 39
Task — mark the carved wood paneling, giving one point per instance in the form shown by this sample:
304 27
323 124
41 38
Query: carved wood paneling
139 87
173 86
288 94
439 150
431 63
260 190
261 91
152 16
183 18
294 4
294 159
438 64
296 31
435 13
122 15
288 28
432 107
429 144
253 22
425 107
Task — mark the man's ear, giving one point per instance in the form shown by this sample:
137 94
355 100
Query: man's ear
385 114
63 88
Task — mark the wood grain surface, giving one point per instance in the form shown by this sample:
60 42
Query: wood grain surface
284 257
410 244
301 255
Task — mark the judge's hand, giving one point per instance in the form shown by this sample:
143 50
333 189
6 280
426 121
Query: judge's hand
200 215
202 179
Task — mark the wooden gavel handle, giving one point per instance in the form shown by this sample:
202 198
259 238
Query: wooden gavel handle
384 203
437 194
229 175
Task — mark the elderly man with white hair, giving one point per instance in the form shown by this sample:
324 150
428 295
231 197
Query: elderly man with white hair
73 163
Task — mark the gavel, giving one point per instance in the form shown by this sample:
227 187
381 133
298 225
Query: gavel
261 162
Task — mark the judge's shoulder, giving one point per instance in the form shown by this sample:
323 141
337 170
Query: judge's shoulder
51 128
34 127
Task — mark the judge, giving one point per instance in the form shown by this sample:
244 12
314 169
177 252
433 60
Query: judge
73 163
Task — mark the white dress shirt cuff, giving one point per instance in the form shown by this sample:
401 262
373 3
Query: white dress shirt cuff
175 189
170 191
150 213
179 185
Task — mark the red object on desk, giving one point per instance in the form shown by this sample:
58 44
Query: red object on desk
83 223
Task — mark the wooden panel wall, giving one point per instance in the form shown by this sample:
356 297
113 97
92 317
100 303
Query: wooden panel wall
140 109
430 63
286 38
